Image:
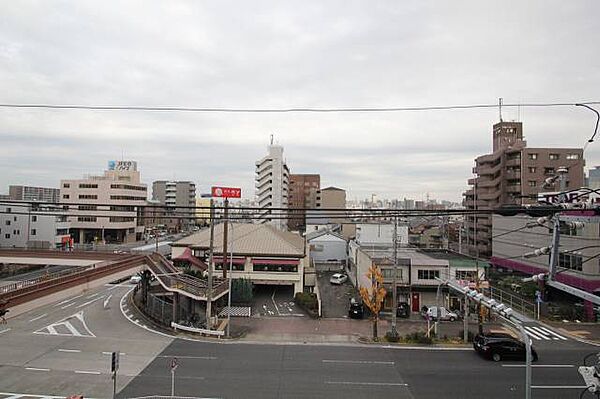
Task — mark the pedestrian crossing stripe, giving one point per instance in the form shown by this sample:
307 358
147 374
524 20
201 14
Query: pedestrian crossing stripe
10 395
239 311
66 325
543 334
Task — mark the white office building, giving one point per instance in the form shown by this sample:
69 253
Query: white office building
27 225
272 181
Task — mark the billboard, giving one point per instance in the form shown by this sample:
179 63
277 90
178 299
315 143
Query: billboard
226 192
122 165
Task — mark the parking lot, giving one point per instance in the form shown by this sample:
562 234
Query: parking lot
335 299
275 301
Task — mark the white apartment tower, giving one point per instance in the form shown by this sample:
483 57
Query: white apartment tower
272 181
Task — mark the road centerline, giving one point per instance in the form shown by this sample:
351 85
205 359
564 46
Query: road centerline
396 384
357 362
38 317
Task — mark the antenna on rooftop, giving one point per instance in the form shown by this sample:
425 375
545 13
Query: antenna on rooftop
271 139
500 107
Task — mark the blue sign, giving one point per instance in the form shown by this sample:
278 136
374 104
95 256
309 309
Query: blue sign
111 165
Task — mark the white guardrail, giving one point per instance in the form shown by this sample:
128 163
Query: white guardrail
218 333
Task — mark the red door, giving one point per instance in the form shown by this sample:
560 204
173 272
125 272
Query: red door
415 299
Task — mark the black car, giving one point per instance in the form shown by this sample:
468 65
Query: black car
356 310
403 310
499 346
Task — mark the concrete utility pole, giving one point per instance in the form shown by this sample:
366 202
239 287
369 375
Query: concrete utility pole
230 278
394 275
562 172
210 268
225 227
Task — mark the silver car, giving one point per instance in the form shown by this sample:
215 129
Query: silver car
338 279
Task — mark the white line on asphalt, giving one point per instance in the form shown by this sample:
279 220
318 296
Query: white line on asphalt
357 362
534 334
548 331
87 372
93 295
70 350
36 369
397 384
558 386
107 300
273 300
541 365
67 306
189 357
39 317
88 302
5 330
68 300
110 353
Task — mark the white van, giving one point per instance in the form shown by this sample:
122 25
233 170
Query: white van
445 314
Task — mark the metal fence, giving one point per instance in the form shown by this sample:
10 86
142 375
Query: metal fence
517 303
159 309
45 277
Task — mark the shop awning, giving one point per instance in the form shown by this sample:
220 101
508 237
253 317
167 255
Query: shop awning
187 256
236 261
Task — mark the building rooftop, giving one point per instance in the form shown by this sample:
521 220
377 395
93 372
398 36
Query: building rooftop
248 239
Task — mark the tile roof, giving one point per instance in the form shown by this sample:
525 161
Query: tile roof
249 239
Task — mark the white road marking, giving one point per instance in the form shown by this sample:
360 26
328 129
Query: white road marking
36 369
68 300
69 350
358 362
548 331
87 372
397 384
110 353
5 330
558 386
93 295
273 300
38 317
51 329
67 306
89 302
534 334
107 300
189 357
541 365
12 395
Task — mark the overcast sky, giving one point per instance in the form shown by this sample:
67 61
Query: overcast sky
290 54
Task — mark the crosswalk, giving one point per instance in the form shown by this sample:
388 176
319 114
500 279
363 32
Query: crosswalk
73 325
540 333
239 311
9 395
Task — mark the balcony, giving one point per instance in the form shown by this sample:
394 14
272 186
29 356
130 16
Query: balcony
488 170
513 162
489 195
513 188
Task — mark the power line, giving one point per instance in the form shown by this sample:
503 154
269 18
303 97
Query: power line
287 110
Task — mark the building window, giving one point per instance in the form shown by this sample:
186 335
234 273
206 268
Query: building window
388 273
7 223
8 210
469 275
66 185
33 232
87 207
554 157
572 156
533 156
88 196
570 261
532 169
86 219
88 185
6 235
65 196
428 274
34 218
532 183
548 171
15 218
120 219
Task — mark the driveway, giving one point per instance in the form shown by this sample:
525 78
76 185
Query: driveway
274 301
335 299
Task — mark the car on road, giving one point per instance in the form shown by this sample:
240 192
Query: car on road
135 279
444 314
357 310
501 346
338 278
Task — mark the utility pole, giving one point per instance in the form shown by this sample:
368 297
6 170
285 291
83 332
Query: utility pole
479 318
230 278
394 293
210 267
554 254
225 226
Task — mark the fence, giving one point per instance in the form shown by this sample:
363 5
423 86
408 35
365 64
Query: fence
158 309
49 276
517 303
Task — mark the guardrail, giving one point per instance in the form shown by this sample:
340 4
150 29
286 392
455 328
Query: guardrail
46 287
218 333
50 276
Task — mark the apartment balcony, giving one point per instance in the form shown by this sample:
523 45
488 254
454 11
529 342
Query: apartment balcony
488 170
513 188
486 183
488 196
488 158
513 162
512 174
471 181
263 169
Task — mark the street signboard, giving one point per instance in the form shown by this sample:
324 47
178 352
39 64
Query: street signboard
226 192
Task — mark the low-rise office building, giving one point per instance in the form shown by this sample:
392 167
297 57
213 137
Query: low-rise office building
26 225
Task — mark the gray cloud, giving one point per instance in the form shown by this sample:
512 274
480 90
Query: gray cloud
274 54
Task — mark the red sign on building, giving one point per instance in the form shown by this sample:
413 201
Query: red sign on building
226 192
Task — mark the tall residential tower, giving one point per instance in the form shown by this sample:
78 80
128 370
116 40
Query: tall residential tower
272 181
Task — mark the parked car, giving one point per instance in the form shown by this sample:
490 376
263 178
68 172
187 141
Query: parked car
357 310
338 279
135 279
403 310
445 314
499 346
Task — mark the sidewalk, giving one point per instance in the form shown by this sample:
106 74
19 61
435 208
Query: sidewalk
585 331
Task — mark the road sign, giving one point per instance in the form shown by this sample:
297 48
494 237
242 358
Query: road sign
115 362
226 192
174 364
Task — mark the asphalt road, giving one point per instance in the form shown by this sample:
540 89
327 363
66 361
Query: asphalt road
335 298
63 348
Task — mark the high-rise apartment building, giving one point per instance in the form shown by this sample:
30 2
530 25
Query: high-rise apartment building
179 199
105 207
303 193
272 183
513 174
30 193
